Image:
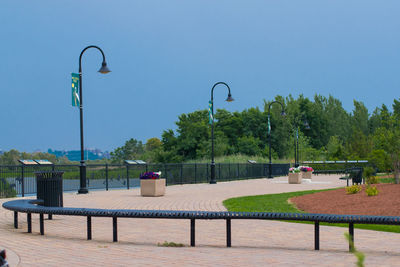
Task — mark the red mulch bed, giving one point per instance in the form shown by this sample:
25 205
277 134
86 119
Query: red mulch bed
387 202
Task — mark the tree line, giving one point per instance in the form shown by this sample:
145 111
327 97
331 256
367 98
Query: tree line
325 131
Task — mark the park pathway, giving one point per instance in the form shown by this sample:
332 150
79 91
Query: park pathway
254 243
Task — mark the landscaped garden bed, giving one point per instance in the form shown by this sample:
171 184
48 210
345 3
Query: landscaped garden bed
328 201
387 202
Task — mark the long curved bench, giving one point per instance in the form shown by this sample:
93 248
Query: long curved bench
31 206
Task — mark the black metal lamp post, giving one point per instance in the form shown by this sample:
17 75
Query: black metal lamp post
296 141
269 134
82 168
229 99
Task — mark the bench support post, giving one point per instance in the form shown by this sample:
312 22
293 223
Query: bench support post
15 219
115 230
50 216
192 232
29 220
316 235
41 223
89 227
228 233
351 235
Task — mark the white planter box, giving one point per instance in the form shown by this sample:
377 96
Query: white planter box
152 187
306 175
295 178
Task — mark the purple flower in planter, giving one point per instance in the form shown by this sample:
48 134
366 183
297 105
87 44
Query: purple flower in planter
306 169
150 175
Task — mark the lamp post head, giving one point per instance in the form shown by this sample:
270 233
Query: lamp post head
230 98
306 125
283 113
104 69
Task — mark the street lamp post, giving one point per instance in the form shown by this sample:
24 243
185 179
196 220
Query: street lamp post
296 132
229 99
82 168
296 141
269 134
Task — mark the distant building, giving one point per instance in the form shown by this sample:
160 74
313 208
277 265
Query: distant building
75 155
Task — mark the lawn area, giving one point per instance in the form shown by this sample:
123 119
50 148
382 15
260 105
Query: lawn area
279 203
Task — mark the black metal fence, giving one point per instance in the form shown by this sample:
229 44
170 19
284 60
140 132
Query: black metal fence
20 180
336 167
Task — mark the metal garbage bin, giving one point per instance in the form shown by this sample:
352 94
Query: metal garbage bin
50 188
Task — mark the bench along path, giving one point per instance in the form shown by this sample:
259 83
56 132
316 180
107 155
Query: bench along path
254 242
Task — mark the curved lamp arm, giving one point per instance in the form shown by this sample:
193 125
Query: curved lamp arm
269 107
104 69
229 99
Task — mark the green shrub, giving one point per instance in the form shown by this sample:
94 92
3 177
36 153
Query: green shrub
372 180
371 191
6 190
368 172
354 189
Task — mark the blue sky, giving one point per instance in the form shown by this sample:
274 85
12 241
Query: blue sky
166 55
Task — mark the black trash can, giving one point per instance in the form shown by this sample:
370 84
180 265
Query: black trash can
50 188
356 174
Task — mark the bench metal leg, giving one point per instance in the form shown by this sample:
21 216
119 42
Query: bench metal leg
316 235
50 216
351 235
29 220
115 230
89 227
15 219
228 233
41 223
192 232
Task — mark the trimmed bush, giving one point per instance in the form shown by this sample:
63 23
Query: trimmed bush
372 180
354 189
371 191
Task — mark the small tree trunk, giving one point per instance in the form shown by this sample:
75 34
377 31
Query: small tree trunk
396 170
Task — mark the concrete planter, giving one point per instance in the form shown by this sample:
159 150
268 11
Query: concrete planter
295 178
306 175
152 187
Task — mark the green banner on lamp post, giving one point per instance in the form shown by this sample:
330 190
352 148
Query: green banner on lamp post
210 115
75 89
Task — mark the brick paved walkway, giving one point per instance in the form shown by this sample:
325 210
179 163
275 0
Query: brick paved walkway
254 243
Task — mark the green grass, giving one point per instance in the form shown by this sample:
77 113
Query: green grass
387 180
279 203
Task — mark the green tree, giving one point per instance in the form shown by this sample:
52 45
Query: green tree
193 129
249 145
360 117
359 146
153 143
221 147
380 159
389 141
11 157
335 149
133 149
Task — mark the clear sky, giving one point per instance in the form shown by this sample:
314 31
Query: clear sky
166 55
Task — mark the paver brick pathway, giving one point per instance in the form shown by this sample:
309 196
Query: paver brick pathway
254 242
